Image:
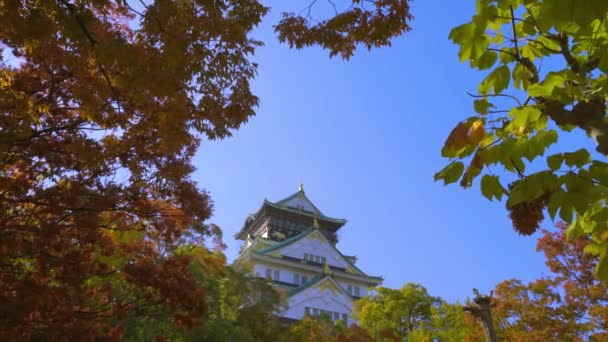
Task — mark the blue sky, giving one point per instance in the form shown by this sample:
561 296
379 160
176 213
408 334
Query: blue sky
364 136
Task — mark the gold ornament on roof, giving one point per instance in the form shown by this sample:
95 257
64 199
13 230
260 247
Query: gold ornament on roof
301 187
315 223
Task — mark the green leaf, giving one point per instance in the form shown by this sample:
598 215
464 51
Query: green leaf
537 144
473 42
565 213
543 42
482 106
554 203
578 158
491 187
524 116
507 55
593 248
530 52
451 173
601 270
603 64
574 230
555 161
521 76
546 87
486 60
532 187
601 215
498 80
599 171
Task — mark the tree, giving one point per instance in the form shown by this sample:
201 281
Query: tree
447 323
569 305
397 313
314 329
523 109
411 314
323 328
240 308
102 106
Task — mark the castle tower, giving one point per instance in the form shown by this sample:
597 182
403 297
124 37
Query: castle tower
292 244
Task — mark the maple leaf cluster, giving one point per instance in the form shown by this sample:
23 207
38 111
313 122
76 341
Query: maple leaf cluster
100 113
569 304
340 34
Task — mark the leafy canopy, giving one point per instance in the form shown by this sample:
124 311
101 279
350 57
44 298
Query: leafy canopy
102 106
547 64
568 304
411 314
395 312
240 309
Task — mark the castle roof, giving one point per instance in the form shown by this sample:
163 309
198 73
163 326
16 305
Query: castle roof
297 203
316 281
351 268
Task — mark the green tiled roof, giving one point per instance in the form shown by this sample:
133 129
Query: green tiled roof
315 280
319 216
282 205
286 242
302 195
304 234
307 284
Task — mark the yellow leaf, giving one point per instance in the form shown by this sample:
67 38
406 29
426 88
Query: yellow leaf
458 138
477 132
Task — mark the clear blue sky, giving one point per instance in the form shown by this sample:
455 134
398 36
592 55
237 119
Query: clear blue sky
364 136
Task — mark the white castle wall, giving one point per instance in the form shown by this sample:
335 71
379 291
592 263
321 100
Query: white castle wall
325 299
285 274
315 245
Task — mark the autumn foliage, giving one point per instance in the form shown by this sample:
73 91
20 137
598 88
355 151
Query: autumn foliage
567 305
99 123
102 106
525 106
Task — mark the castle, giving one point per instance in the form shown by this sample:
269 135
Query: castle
292 244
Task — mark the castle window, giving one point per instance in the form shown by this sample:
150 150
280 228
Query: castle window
357 293
350 289
304 279
268 273
276 275
322 312
296 278
345 318
314 258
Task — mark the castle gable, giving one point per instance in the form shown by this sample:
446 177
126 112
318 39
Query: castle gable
322 295
312 246
299 201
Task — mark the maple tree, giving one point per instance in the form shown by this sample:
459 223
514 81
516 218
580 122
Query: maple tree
102 106
569 305
240 308
548 66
